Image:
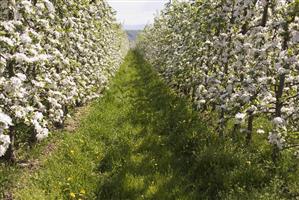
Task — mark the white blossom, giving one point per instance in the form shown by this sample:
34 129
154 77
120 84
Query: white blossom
5 120
4 144
6 40
295 36
21 58
25 38
278 121
260 131
239 118
276 139
21 76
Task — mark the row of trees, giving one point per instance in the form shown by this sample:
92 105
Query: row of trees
54 55
238 58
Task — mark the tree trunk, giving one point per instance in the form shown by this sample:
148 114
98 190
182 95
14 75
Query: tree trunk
10 153
249 128
234 132
32 139
281 85
221 124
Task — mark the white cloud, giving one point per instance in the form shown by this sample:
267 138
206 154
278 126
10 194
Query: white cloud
136 12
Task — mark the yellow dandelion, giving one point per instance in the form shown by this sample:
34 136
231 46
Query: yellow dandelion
73 195
82 191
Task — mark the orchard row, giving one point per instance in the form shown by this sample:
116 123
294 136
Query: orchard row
54 55
238 59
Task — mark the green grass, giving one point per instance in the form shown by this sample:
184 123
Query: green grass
142 141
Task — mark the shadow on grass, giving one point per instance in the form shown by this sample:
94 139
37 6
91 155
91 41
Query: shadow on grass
152 162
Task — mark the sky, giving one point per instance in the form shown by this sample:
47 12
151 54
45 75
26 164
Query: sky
135 14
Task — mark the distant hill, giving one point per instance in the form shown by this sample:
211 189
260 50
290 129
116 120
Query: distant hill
134 27
132 34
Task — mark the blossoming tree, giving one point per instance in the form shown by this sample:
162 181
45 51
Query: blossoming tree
54 55
238 59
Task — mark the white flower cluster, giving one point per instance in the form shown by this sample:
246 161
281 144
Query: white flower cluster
54 55
276 139
5 122
239 58
239 118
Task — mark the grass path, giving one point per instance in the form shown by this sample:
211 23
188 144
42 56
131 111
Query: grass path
134 144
